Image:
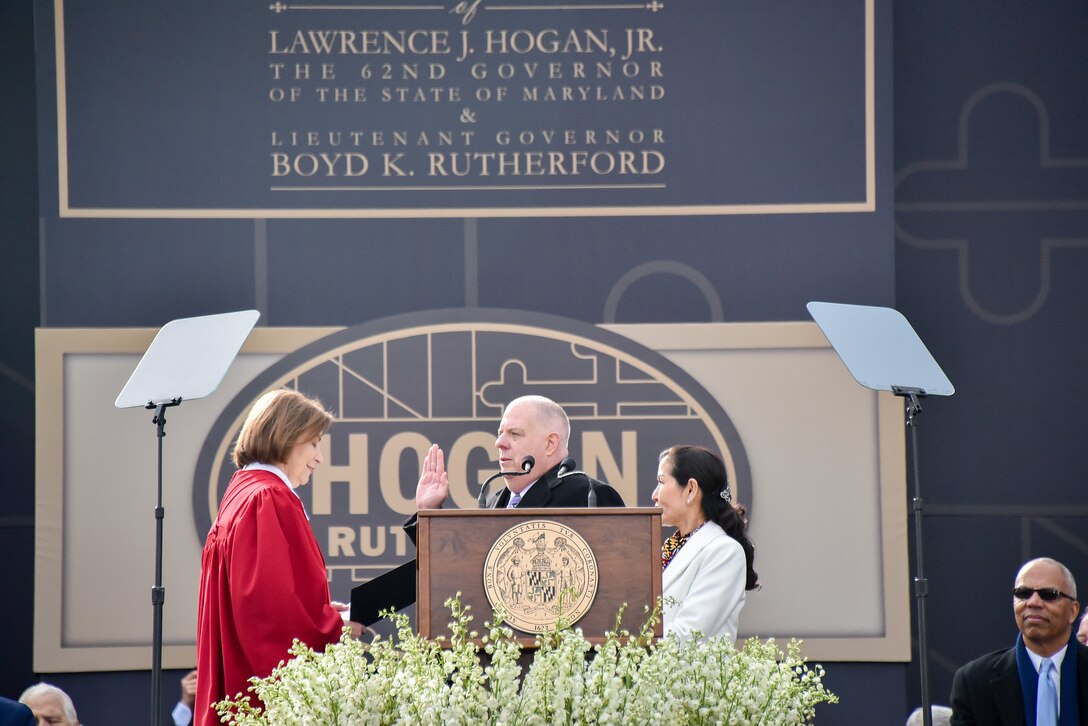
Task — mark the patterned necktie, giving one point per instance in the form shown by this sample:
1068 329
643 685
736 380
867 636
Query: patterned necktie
1046 712
514 499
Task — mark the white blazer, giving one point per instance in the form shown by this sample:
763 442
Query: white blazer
707 578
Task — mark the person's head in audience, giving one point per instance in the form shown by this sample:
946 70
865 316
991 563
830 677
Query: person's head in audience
1012 685
51 706
941 716
1044 603
1082 631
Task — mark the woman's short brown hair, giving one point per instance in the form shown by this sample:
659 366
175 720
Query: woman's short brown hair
279 420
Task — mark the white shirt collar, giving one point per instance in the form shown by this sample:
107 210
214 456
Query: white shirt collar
523 492
1057 658
1037 660
283 477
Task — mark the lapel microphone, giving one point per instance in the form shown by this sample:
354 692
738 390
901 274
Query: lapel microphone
527 465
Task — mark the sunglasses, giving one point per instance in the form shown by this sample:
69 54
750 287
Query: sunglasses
1048 594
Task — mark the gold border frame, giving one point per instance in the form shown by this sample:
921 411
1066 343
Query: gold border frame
51 347
895 644
53 344
290 378
66 210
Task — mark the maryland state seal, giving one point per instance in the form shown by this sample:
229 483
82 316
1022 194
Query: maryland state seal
540 571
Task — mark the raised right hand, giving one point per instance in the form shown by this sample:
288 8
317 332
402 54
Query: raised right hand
434 486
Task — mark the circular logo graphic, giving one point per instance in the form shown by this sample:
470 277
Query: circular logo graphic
538 572
397 385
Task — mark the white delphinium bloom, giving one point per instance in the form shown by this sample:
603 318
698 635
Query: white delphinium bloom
631 678
503 673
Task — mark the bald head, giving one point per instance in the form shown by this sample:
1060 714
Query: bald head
531 426
548 414
1045 605
1069 585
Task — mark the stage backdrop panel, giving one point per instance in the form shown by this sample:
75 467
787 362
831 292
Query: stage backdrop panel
207 109
819 459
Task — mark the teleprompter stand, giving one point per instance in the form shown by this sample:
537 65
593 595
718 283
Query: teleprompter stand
187 360
882 352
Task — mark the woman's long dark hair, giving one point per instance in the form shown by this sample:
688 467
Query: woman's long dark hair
708 471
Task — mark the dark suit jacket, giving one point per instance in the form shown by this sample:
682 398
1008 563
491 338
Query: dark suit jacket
987 690
13 713
548 491
551 491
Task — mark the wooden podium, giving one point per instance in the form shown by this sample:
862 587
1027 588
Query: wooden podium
453 548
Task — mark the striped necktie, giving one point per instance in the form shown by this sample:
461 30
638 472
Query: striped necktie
514 499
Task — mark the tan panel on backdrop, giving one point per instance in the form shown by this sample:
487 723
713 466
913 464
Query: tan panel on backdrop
827 464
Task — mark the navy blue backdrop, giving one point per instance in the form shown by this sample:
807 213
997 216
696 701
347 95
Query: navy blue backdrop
984 251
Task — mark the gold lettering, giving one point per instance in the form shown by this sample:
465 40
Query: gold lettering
400 541
623 479
373 541
340 541
460 489
389 469
371 546
354 474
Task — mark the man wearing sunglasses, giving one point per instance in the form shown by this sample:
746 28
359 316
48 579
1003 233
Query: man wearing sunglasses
1043 679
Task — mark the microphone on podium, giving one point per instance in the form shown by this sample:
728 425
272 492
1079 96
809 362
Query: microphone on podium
568 467
527 465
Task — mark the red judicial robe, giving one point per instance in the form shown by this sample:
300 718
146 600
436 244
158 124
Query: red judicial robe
262 583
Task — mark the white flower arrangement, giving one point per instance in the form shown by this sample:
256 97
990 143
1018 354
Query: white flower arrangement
630 679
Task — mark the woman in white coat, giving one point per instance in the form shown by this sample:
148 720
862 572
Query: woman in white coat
707 562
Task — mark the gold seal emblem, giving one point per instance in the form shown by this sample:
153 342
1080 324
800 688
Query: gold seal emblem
538 571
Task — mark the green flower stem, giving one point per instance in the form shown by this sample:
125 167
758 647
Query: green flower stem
633 678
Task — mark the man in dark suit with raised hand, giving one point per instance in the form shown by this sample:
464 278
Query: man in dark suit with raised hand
534 430
1043 678
531 426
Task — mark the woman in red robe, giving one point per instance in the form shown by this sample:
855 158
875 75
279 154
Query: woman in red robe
262 574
